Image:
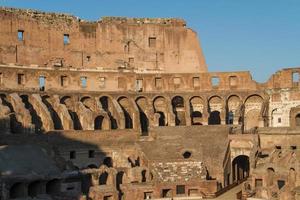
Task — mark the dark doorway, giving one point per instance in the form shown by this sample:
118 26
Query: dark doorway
240 167
214 118
98 122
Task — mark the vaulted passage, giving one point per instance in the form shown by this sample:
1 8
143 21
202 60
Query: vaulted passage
36 120
107 107
240 168
98 122
196 109
55 118
15 126
214 118
215 108
233 106
144 121
69 104
179 110
160 108
124 103
253 111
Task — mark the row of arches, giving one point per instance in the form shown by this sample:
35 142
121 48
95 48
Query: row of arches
106 112
34 189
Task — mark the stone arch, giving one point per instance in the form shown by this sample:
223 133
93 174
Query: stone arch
126 108
196 110
98 122
14 125
160 109
35 118
253 108
53 187
54 115
17 190
215 107
107 106
233 106
240 168
68 102
35 188
142 105
88 102
178 106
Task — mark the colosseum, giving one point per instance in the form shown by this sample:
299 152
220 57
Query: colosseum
125 109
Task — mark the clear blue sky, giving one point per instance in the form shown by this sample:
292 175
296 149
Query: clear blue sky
261 36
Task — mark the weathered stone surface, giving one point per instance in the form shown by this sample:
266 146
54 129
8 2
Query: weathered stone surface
124 108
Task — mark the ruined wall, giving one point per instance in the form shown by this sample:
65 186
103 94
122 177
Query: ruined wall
60 40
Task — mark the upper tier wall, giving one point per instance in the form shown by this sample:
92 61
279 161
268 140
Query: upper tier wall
49 39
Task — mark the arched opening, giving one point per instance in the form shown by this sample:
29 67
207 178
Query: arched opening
253 111
144 121
55 118
106 106
160 107
15 126
98 122
36 120
270 176
67 101
108 162
125 105
215 107
88 102
196 110
179 110
214 118
233 106
240 168
17 190
103 178
297 119
35 188
53 187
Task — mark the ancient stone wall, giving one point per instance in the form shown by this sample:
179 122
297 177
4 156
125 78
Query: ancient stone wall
49 39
